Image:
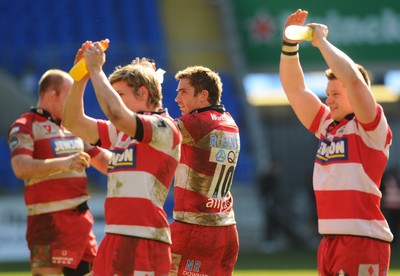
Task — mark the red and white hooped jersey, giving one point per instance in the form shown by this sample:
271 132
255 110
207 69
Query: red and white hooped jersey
349 165
203 179
36 135
139 177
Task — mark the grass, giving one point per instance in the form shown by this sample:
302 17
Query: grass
289 263
286 263
275 273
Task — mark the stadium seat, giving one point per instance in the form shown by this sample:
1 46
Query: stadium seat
47 34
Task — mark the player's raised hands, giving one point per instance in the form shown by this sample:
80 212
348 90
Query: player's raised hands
297 18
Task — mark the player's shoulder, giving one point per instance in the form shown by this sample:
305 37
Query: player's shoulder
27 118
195 117
197 124
22 123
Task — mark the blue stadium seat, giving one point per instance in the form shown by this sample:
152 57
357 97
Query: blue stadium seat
48 33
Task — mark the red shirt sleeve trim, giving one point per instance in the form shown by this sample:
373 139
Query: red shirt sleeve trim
315 124
374 123
103 134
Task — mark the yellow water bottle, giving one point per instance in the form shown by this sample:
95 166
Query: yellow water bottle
79 70
296 32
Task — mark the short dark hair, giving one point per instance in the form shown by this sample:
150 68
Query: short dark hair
203 78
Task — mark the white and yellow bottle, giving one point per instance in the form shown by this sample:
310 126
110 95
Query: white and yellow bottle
296 32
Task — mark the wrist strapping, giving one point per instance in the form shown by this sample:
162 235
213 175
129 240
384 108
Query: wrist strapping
290 49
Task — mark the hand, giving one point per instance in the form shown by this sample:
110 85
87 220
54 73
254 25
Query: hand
297 18
320 32
95 57
81 51
77 162
145 62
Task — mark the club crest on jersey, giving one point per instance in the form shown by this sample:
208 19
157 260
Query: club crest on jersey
123 159
368 269
47 128
66 146
335 150
161 123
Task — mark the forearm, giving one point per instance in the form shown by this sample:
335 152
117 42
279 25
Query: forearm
25 167
112 105
73 107
342 65
74 117
291 74
304 103
101 160
108 99
345 70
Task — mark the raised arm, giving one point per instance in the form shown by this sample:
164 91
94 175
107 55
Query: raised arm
345 70
74 117
303 101
109 100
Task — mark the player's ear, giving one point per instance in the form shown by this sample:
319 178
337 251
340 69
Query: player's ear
50 94
142 93
204 95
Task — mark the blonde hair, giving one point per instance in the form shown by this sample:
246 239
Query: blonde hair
138 75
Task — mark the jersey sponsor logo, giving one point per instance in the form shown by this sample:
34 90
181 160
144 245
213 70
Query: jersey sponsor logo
224 152
331 151
123 159
66 146
191 273
14 130
223 142
64 257
222 205
13 142
223 176
192 268
223 156
218 118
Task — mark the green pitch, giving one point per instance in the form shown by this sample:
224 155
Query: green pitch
286 263
239 273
